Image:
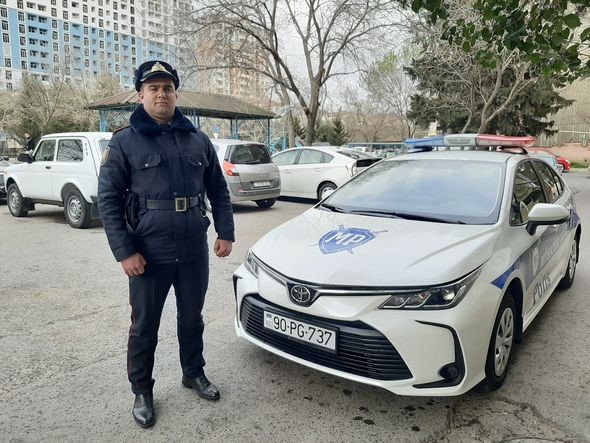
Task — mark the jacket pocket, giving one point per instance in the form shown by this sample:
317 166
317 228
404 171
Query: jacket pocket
197 160
148 161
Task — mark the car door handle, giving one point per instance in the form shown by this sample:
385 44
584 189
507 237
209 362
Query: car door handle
47 167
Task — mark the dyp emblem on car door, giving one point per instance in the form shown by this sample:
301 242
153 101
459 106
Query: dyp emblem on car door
345 239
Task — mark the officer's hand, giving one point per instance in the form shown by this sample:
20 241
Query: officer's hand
222 248
133 265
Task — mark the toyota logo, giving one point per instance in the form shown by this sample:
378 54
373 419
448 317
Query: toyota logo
300 294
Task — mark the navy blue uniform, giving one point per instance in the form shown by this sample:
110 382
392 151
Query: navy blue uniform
162 163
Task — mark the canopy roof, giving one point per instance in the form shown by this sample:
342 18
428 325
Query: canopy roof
193 103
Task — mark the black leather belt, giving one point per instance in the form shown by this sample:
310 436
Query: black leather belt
179 204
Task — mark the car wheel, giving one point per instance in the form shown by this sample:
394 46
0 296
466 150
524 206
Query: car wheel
267 203
570 273
16 202
77 210
501 344
325 188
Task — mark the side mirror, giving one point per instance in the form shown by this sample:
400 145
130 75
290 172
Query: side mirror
24 158
546 214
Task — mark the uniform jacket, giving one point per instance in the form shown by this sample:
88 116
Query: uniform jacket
162 162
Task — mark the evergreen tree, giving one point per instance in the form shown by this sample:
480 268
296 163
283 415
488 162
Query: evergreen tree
337 135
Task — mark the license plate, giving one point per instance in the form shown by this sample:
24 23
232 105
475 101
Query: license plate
261 184
311 334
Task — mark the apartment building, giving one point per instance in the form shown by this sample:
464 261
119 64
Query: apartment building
87 38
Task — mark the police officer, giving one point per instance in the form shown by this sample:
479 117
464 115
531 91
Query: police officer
153 179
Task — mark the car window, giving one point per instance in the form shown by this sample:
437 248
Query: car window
70 151
548 181
558 182
455 191
46 151
357 155
528 191
253 154
311 156
285 158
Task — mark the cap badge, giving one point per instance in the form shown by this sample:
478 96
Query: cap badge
158 68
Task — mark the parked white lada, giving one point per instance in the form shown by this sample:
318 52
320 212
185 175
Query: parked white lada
418 275
62 170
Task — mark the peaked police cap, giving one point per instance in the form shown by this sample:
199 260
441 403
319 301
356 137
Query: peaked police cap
154 68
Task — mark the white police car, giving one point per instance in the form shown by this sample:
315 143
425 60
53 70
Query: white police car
418 275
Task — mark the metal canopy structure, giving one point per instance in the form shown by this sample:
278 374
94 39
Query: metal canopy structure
203 109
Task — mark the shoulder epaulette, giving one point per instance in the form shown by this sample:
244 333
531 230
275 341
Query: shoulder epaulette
120 129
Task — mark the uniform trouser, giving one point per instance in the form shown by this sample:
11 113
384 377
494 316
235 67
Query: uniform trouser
147 294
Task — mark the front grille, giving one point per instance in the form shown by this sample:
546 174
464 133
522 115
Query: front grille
361 350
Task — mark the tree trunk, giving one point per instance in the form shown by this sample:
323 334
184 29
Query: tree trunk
290 130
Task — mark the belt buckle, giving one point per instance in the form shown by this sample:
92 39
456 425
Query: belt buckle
180 204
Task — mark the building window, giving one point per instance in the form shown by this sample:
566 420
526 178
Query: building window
87 63
23 64
115 26
5 38
55 47
9 86
42 8
101 44
4 25
64 3
3 12
101 33
66 26
85 8
65 15
100 12
53 12
8 75
54 24
54 35
23 41
2 2
115 16
56 70
53 2
100 23
23 53
21 17
30 5
55 58
85 19
86 52
8 63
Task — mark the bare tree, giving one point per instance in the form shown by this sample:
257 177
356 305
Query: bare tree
305 43
389 85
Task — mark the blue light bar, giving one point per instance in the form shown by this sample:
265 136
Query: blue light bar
425 142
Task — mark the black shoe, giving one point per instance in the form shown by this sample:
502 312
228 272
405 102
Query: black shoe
205 389
143 410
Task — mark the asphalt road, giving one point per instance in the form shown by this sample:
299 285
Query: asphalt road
64 318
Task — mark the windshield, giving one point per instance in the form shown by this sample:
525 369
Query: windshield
448 191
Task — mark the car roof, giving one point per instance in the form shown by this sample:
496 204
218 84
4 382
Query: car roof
326 149
230 141
80 134
488 156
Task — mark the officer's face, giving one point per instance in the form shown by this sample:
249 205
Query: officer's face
158 97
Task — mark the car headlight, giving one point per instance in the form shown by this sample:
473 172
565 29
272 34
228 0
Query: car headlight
438 297
251 263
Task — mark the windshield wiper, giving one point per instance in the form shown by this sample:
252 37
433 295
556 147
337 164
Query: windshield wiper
407 216
332 208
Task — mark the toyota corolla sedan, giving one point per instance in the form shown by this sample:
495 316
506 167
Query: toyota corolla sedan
419 275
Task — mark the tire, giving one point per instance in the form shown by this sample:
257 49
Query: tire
267 203
501 344
329 186
570 273
77 210
16 203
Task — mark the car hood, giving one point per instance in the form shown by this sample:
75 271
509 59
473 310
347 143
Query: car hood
353 250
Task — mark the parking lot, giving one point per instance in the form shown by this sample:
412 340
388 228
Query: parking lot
64 317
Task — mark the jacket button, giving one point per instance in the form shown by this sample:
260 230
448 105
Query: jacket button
146 165
177 260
